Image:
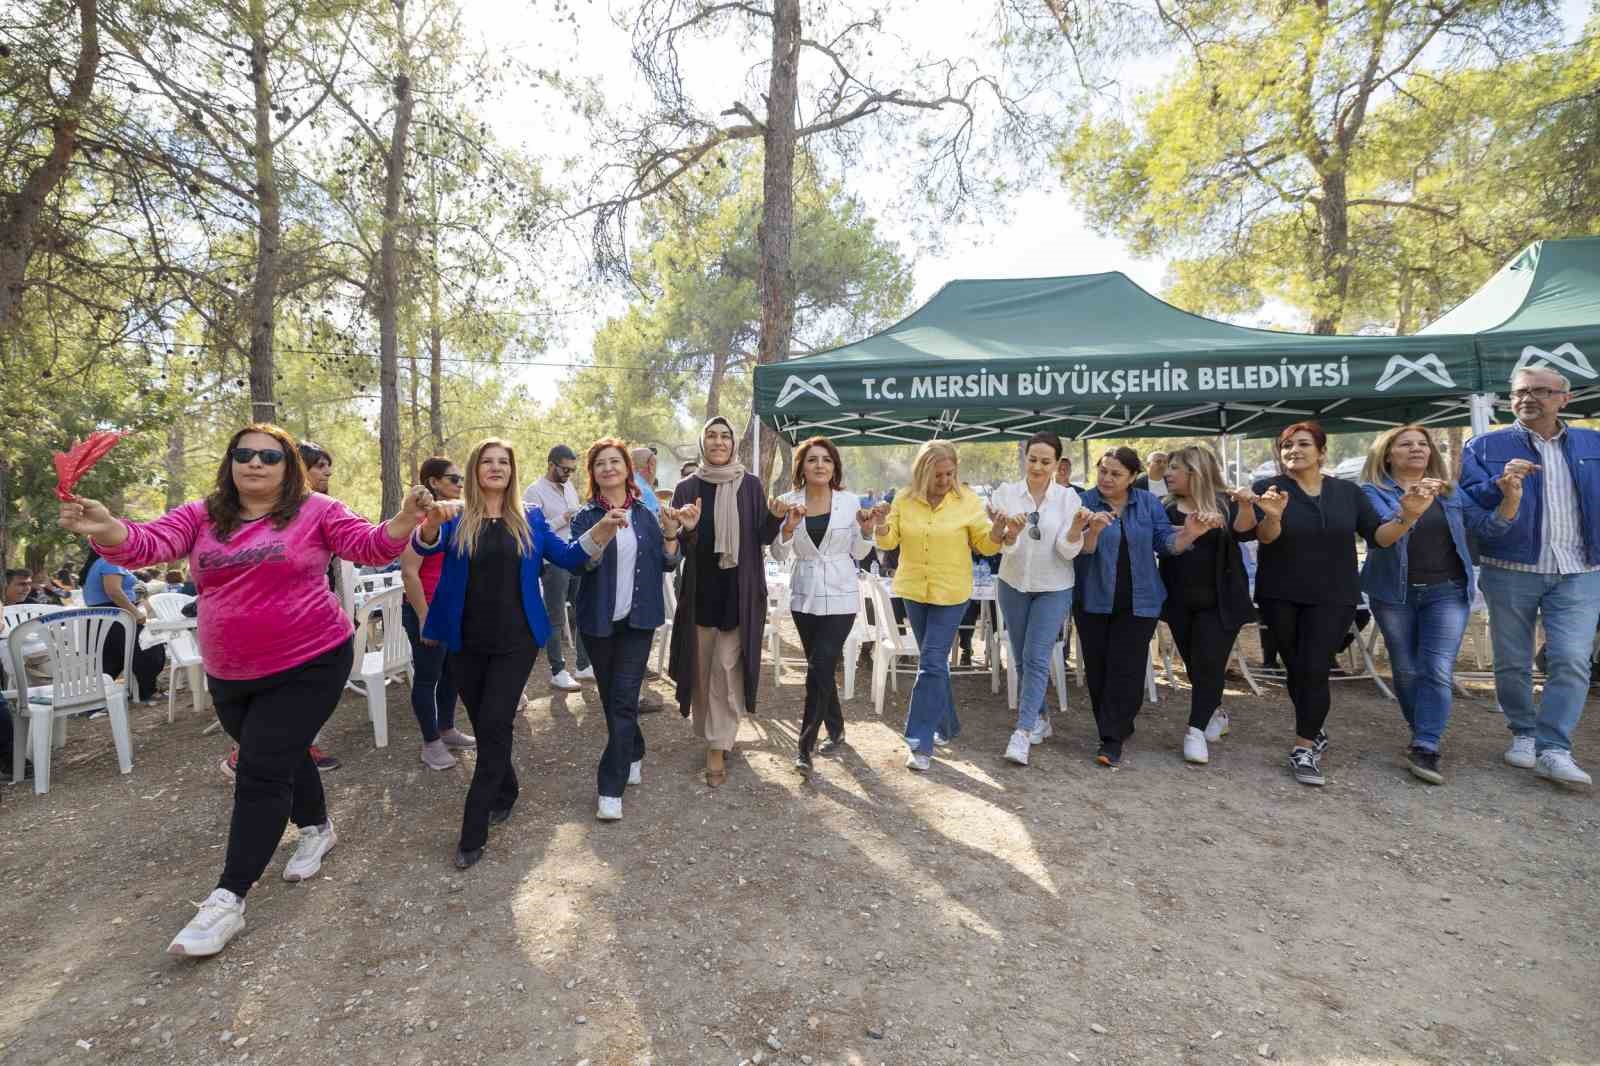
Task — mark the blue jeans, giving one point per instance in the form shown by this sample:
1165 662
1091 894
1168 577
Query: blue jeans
933 701
1569 605
1033 625
433 691
1423 636
619 662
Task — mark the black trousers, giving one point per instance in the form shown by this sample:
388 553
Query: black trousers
147 662
1205 646
1116 650
619 664
1308 635
490 686
274 719
822 636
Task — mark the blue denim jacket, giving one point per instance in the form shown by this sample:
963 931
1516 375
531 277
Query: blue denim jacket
1484 459
1384 574
597 586
1144 522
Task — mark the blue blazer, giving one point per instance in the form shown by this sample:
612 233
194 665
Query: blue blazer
597 588
1144 522
450 597
1384 574
1484 459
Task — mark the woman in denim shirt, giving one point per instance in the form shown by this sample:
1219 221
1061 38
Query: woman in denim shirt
1421 587
620 607
1120 594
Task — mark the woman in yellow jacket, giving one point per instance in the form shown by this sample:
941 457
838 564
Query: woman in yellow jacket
936 524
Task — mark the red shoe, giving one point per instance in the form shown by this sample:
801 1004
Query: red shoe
323 760
230 765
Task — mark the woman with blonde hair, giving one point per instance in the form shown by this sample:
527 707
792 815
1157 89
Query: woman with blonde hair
1208 589
488 610
937 524
1421 586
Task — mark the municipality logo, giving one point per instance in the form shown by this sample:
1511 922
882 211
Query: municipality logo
817 386
1568 357
1429 366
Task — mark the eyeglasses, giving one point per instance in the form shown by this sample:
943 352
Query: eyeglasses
567 470
1033 526
269 456
454 479
1538 392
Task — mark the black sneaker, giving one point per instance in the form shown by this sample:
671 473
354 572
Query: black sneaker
1303 764
1319 743
1109 754
831 746
1424 765
802 763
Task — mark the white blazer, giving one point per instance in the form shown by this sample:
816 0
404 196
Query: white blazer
822 579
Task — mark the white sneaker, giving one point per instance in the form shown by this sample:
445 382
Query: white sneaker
1557 765
1017 749
635 775
1521 753
1217 728
610 809
1194 746
1041 731
208 932
586 674
315 842
918 762
564 681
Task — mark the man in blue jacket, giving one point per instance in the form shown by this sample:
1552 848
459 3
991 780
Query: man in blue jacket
1546 567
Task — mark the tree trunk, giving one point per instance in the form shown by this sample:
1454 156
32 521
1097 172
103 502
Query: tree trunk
776 231
435 381
175 464
719 370
269 228
1454 437
414 444
34 557
1333 255
5 512
20 211
1405 322
389 299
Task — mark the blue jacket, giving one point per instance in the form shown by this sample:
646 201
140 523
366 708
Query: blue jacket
450 596
1384 574
1484 459
597 588
1144 522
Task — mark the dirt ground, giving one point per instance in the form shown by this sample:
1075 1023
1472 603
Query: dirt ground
983 912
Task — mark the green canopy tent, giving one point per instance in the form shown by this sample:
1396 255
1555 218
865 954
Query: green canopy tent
1541 309
1097 356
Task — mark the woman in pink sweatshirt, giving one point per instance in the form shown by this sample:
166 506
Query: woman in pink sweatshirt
277 646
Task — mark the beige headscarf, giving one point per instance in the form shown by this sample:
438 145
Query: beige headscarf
725 507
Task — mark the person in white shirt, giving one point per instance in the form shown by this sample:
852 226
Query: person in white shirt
1044 533
555 495
825 534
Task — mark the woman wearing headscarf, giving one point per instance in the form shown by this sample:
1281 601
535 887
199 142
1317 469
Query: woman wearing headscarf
722 608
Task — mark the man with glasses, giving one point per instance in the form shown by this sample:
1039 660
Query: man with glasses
1546 567
557 497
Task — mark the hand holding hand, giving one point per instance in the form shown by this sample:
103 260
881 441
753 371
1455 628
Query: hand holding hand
1522 467
1099 520
440 512
417 503
1417 499
864 519
1080 522
779 507
1272 502
1198 523
669 522
85 516
797 514
689 515
1510 483
1243 496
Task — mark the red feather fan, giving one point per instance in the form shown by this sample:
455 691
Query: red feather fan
78 460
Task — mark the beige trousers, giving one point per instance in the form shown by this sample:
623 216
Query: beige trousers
718 698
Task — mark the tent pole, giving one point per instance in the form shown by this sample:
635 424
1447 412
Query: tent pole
1482 406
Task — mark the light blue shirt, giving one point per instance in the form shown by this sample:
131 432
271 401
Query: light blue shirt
647 495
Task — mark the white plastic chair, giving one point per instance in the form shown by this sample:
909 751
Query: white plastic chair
391 660
74 641
1058 663
894 642
183 651
17 613
859 634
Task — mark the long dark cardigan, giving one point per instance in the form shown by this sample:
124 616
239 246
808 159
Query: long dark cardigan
1234 608
758 527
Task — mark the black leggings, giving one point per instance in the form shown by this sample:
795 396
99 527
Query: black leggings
1116 650
147 662
1308 635
490 687
1205 646
274 720
822 636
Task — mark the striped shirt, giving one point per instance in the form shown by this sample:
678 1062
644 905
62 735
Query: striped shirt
1561 547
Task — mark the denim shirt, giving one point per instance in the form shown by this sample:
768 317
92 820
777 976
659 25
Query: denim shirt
1144 522
1484 459
597 583
1384 574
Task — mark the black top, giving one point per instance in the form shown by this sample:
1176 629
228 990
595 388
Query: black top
1431 552
1191 577
494 621
1122 599
716 591
1314 558
817 527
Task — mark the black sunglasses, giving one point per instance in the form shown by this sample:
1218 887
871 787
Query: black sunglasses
1033 526
269 456
454 479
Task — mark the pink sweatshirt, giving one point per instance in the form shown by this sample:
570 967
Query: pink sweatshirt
265 604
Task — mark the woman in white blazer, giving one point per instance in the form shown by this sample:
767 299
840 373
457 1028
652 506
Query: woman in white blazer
824 533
